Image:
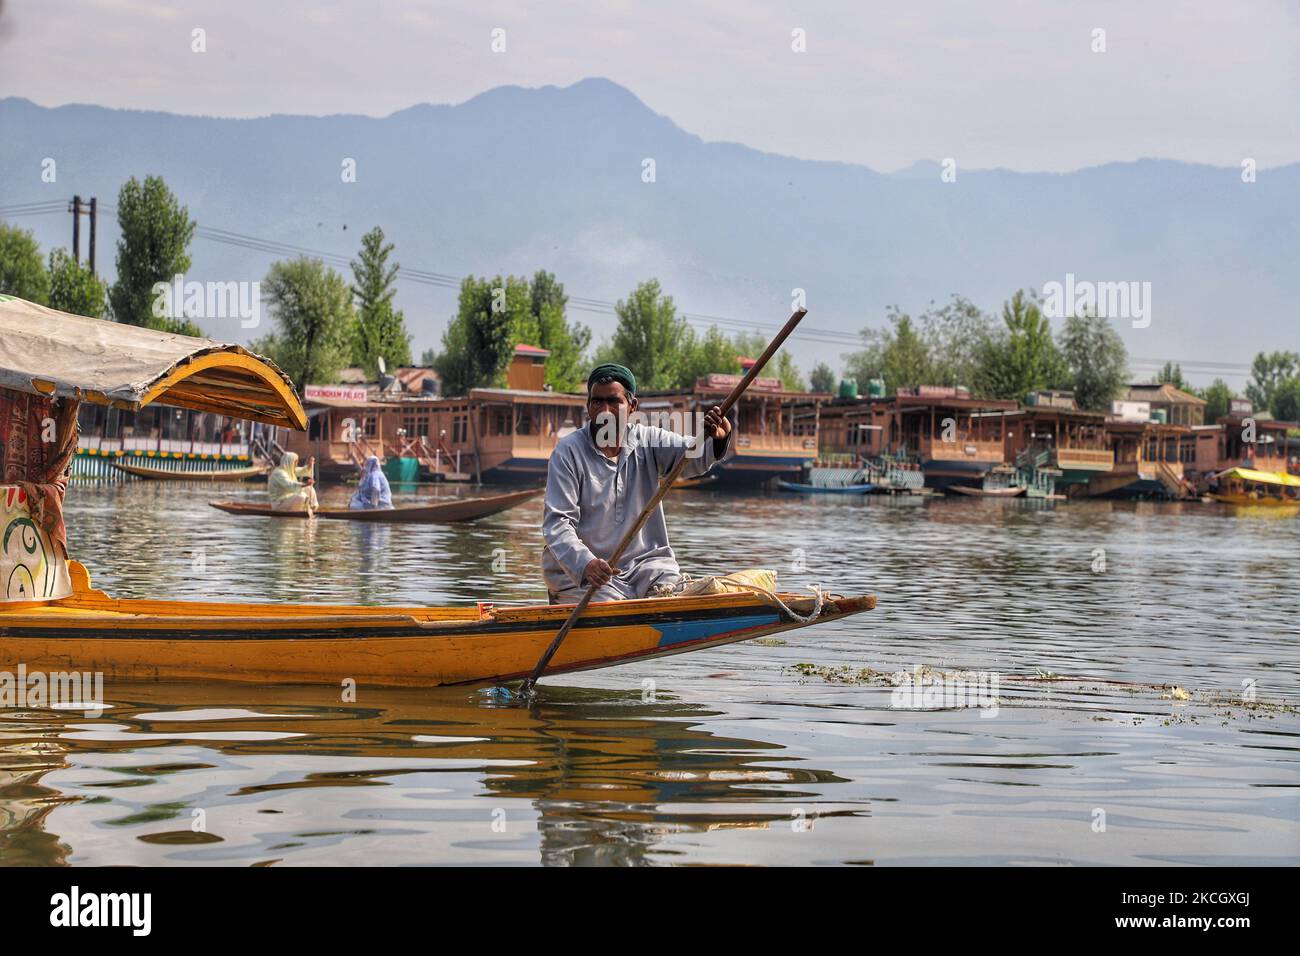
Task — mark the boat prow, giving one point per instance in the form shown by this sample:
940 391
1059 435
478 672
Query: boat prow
156 640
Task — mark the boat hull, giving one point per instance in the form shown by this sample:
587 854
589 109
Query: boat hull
986 492
1264 500
825 489
166 474
467 509
128 639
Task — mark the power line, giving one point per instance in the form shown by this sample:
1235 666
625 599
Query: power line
31 206
812 335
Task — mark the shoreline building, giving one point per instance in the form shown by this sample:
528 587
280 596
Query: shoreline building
776 429
495 435
953 437
162 436
1051 432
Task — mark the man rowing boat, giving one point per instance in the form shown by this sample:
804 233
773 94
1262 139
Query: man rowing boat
598 481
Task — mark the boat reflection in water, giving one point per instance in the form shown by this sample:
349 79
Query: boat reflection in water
450 775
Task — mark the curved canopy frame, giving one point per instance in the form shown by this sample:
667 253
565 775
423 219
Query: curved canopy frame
47 352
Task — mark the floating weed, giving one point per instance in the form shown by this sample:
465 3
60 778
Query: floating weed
843 674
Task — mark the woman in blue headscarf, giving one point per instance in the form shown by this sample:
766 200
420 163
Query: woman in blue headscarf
372 490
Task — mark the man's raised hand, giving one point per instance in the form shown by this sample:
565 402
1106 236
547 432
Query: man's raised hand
716 426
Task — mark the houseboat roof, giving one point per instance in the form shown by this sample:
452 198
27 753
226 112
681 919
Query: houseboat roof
411 377
316 401
1264 424
1161 392
512 395
920 402
47 352
1167 428
1055 411
750 395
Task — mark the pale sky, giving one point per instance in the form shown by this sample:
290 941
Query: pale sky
1012 83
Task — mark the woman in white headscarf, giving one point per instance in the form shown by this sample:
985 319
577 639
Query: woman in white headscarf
286 491
372 490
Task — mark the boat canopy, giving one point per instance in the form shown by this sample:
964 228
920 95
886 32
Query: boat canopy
47 352
1264 477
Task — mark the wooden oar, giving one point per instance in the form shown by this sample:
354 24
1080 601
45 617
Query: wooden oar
664 485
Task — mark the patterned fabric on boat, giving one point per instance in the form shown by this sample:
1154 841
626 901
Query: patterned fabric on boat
38 437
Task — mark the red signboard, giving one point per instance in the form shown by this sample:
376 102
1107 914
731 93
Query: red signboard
720 380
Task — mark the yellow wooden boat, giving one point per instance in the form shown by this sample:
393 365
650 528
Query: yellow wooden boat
163 473
1248 486
53 620
127 639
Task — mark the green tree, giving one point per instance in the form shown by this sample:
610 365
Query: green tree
1096 362
897 354
154 247
311 306
567 342
650 339
1172 374
1267 372
22 273
955 335
1021 357
74 288
1286 401
752 344
1217 400
493 315
379 329
822 378
706 354
428 357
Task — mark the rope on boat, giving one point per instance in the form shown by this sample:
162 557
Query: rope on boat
774 598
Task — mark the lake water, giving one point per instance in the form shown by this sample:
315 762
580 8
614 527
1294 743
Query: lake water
1086 613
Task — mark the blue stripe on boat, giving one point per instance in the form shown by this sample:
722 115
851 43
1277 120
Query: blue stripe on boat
684 631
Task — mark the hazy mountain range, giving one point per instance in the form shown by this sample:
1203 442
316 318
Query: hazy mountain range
520 179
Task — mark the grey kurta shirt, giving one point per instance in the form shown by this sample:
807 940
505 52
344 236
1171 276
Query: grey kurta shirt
592 500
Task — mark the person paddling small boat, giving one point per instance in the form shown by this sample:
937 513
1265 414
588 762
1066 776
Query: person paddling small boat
600 478
289 490
373 490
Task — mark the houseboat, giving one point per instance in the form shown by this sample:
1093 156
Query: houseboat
495 435
1151 460
776 429
952 437
1050 435
1239 440
162 438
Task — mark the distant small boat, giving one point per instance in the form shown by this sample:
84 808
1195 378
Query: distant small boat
860 489
682 484
175 474
1009 492
461 509
1249 486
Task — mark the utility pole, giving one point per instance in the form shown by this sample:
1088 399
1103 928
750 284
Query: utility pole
91 210
76 229
94 204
